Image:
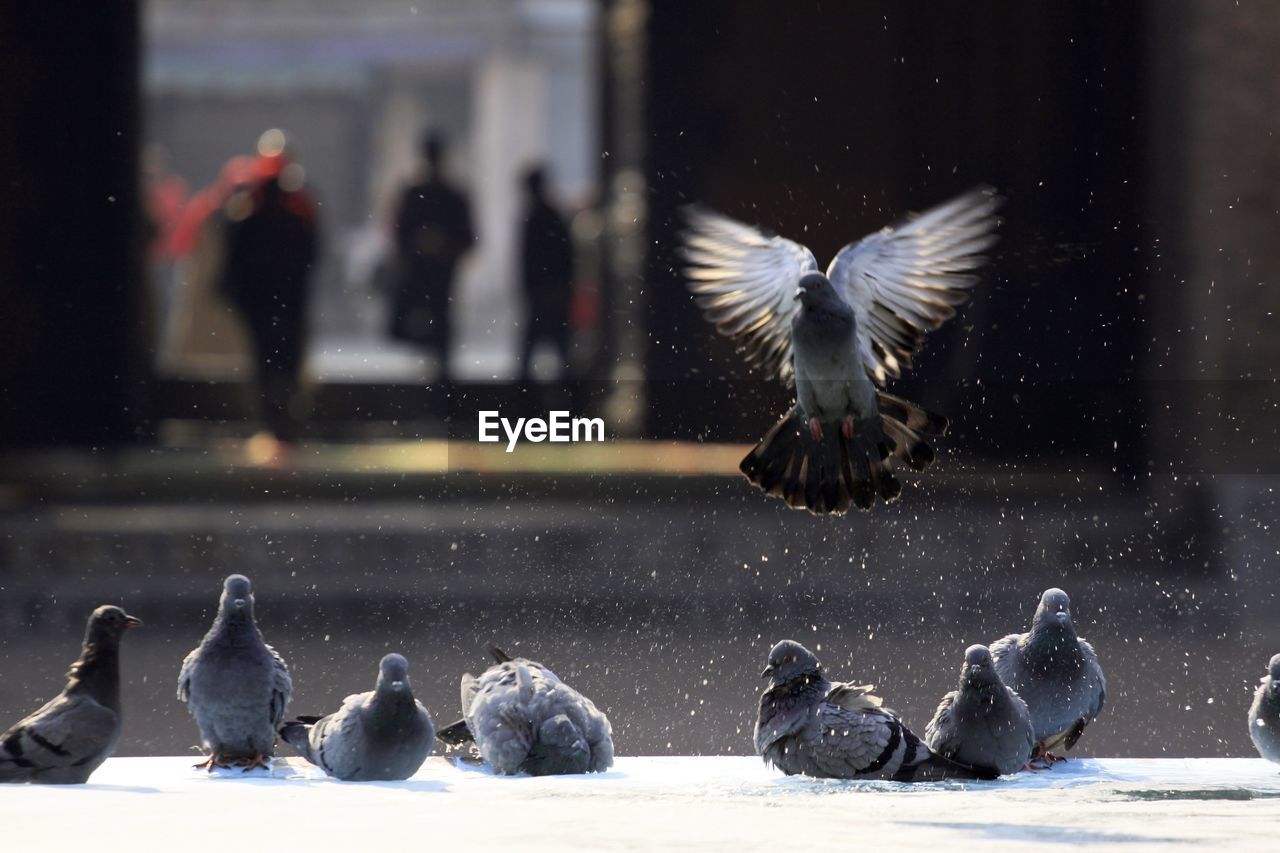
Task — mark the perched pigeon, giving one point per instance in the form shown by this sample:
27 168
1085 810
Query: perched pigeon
811 726
839 338
982 723
383 734
68 738
1264 714
525 719
1055 672
235 685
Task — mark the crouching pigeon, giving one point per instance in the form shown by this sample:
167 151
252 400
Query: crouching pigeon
384 734
1056 673
839 337
525 719
235 685
67 739
1264 714
808 725
982 722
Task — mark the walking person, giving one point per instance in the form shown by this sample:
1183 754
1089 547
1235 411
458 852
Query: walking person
546 269
433 230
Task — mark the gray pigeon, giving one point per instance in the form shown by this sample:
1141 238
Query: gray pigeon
982 723
235 685
66 740
1264 714
1055 672
839 338
525 719
808 725
384 734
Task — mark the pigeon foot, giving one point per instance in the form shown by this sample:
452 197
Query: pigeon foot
212 761
846 426
258 760
815 429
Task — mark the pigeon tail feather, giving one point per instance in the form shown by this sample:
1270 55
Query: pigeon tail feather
824 475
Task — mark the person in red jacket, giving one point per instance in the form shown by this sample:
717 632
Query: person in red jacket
271 249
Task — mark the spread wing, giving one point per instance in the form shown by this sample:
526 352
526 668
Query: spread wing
907 279
745 283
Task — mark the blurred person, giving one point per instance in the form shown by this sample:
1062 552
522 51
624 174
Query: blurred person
203 334
546 273
433 230
164 194
271 247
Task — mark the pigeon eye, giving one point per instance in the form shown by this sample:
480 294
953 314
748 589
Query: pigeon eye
789 659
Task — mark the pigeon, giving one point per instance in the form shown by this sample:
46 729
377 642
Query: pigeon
235 685
67 739
839 338
524 719
1264 714
810 726
982 723
1055 672
384 734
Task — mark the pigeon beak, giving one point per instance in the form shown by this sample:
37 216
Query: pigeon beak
799 293
768 671
397 686
1062 615
132 622
239 603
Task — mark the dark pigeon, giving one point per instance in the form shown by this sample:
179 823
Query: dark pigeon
808 725
384 734
839 338
1264 714
235 685
67 739
1056 673
982 722
523 719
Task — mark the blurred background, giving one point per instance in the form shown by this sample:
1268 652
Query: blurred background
262 261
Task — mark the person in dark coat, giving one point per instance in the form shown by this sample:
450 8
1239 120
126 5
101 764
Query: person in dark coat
271 246
433 231
546 270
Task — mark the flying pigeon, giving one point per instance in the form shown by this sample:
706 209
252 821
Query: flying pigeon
235 685
1055 672
839 337
808 725
384 734
982 723
525 719
67 739
1264 714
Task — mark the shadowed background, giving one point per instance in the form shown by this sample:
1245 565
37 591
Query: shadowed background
1111 384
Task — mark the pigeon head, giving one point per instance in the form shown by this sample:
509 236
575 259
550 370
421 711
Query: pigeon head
559 748
1054 611
393 674
789 660
815 289
1274 669
107 625
237 597
978 669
